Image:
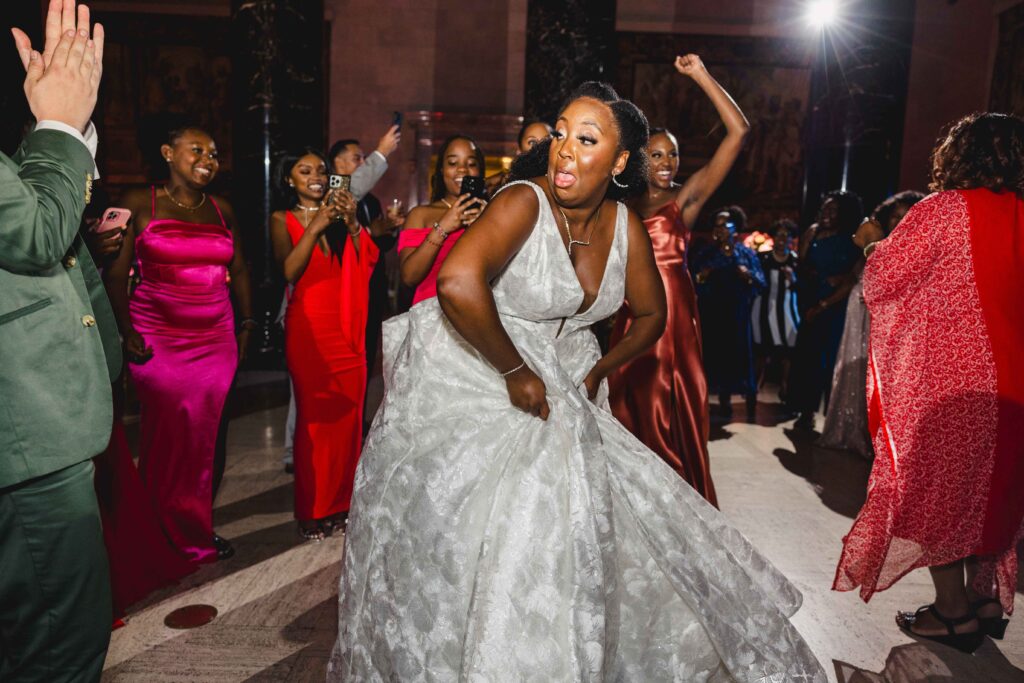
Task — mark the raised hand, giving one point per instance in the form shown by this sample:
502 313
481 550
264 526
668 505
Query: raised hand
389 142
65 89
690 65
61 17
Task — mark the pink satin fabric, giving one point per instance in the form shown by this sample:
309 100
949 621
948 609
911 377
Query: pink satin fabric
661 396
182 309
410 238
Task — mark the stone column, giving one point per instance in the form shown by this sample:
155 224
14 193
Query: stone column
278 53
567 42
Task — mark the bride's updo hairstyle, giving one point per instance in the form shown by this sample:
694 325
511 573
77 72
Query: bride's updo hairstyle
633 134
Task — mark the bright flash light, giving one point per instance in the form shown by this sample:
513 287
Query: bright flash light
821 13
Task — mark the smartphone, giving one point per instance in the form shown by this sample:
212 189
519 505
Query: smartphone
340 182
396 119
475 186
113 219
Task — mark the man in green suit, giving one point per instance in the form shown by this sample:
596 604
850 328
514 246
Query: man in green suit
59 351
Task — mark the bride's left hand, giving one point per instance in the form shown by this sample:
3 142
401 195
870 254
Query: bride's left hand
592 383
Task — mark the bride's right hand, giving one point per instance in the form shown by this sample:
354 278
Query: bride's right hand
527 392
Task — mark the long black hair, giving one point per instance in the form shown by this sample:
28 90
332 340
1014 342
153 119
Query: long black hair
437 189
287 197
633 135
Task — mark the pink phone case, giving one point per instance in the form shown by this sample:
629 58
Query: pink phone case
113 219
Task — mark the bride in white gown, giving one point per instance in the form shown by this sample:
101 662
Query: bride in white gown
509 528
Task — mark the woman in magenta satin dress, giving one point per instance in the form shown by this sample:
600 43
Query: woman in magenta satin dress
662 395
179 333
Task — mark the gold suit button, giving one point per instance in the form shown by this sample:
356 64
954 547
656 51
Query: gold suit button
70 262
88 321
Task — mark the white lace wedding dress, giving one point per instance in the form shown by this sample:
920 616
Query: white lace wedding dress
487 545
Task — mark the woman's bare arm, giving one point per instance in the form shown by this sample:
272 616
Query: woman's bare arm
464 291
645 293
702 184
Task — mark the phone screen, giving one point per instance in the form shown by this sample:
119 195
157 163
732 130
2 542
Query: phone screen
396 118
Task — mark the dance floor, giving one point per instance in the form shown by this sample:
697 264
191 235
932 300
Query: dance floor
277 597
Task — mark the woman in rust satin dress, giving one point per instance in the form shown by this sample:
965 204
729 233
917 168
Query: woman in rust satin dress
662 396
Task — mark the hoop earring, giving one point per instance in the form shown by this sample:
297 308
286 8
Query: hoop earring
617 183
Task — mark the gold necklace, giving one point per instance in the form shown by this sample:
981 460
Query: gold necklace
185 206
305 221
590 232
445 202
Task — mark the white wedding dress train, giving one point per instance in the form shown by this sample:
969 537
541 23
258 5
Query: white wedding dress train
484 544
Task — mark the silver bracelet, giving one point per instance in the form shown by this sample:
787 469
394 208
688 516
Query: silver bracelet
515 369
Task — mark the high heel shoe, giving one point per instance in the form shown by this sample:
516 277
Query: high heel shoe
331 525
224 548
314 534
993 627
965 642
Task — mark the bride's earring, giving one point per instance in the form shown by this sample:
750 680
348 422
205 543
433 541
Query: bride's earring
616 181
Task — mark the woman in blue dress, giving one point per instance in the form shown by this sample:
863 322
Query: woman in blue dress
728 277
827 272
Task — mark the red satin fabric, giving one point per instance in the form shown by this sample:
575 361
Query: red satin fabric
325 346
142 559
410 238
946 396
183 310
662 395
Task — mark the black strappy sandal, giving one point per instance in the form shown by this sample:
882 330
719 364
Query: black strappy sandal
993 627
332 525
965 642
313 534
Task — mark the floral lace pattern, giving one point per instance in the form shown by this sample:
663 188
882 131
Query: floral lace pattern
933 383
487 545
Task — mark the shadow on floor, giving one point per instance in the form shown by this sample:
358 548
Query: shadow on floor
933 663
278 499
768 413
250 550
839 478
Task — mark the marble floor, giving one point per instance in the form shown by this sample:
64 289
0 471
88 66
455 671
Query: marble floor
276 597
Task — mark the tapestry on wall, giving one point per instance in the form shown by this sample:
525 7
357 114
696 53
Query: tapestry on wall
160 68
770 79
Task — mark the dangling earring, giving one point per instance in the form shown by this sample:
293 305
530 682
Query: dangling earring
617 183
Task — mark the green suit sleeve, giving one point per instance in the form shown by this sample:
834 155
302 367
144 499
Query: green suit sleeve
42 196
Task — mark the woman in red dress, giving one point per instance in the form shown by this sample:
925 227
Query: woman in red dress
328 257
662 395
946 390
423 250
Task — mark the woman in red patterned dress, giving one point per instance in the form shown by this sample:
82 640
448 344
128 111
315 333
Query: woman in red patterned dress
946 390
328 257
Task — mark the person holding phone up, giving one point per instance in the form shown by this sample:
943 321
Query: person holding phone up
328 257
454 205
